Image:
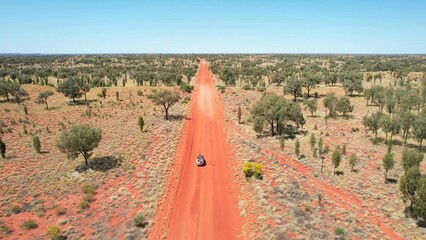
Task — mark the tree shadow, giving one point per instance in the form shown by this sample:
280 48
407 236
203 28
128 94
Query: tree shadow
391 180
355 170
421 223
101 164
339 173
176 117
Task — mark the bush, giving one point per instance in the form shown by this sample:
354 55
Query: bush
4 229
36 144
16 209
30 224
53 232
247 169
246 87
149 96
89 189
186 87
84 204
257 170
141 123
220 88
139 220
339 231
139 93
186 100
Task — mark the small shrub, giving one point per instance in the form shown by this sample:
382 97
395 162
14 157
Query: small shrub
139 220
53 232
247 169
282 143
4 229
104 92
339 231
186 100
308 207
149 96
139 93
186 87
89 189
36 144
16 209
141 123
246 87
297 148
84 204
220 88
257 170
30 224
344 149
25 130
99 95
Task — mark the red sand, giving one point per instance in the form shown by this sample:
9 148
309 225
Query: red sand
199 202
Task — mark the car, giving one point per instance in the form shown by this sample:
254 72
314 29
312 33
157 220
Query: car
200 160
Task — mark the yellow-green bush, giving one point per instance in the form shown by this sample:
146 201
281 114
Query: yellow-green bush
257 170
248 169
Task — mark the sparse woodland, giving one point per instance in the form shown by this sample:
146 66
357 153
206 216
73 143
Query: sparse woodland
335 142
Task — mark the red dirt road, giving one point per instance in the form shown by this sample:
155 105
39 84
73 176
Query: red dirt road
199 202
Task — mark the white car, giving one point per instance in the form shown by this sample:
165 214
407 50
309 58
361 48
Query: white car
200 160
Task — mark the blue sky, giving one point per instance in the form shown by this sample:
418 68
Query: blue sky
240 26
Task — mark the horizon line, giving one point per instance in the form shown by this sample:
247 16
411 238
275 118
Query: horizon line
213 53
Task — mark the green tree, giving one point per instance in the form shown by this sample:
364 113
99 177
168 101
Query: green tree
312 141
275 110
410 185
166 98
353 159
420 128
8 88
388 163
411 158
385 124
372 123
419 209
79 139
293 86
311 105
71 88
36 144
352 82
282 143
344 106
330 101
311 81
321 152
336 159
297 148
141 123
43 96
239 114
407 121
